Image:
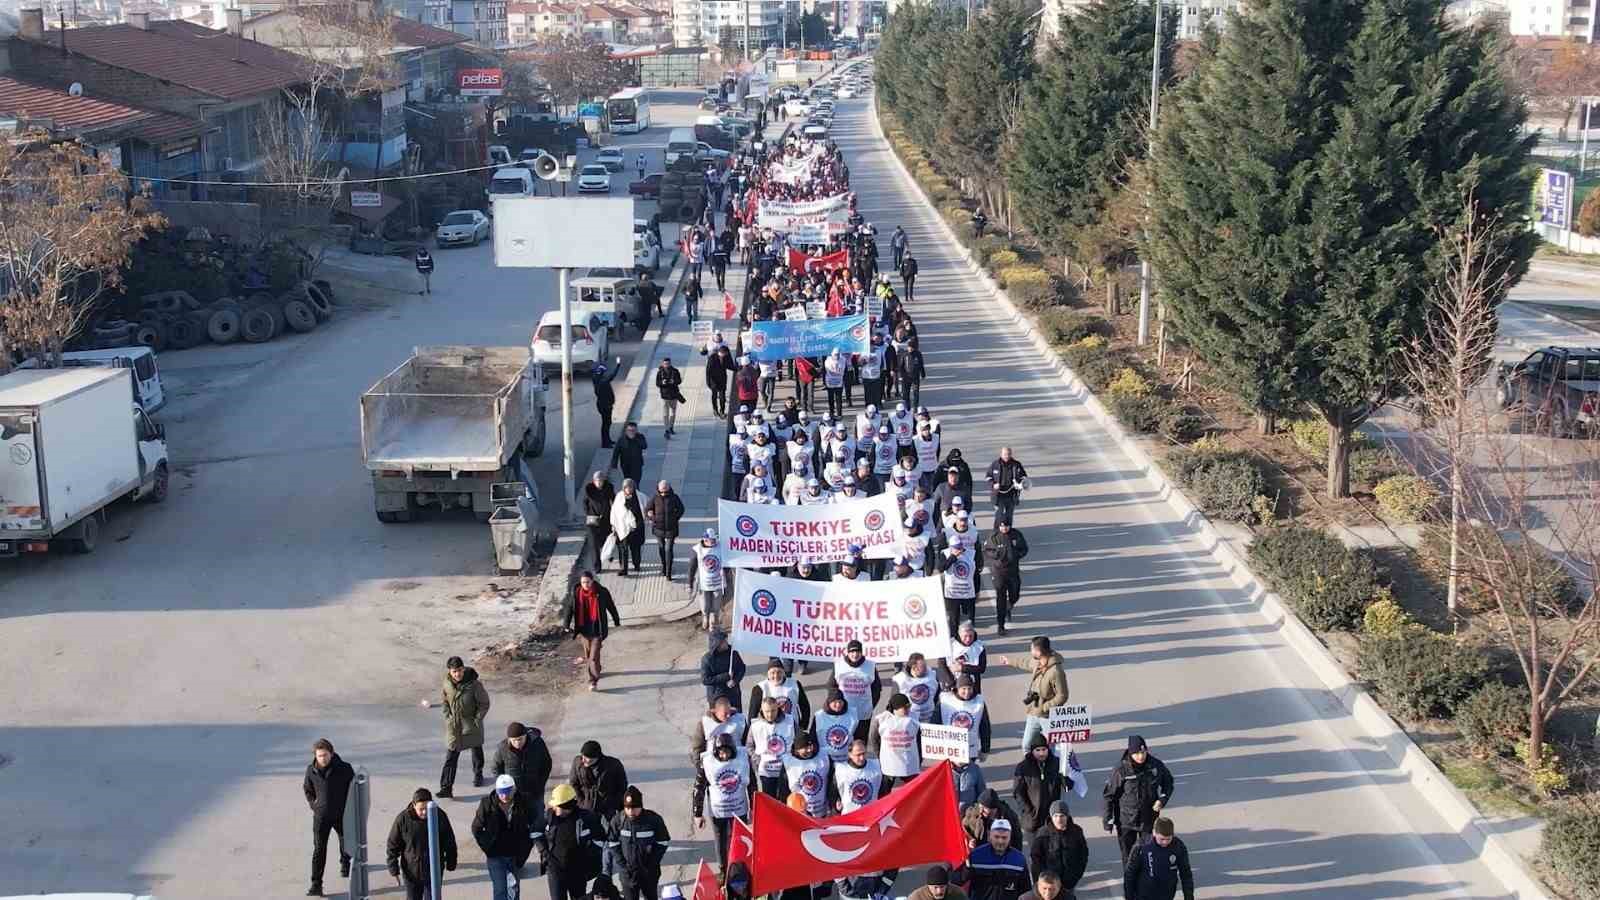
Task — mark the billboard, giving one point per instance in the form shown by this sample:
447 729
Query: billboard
481 82
1553 198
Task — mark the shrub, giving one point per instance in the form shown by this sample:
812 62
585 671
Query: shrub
1588 223
1384 617
1419 673
1370 465
985 247
1311 435
1548 778
1494 720
1090 342
1002 259
1328 584
1406 498
1129 383
1181 426
1572 846
1027 285
1525 569
1223 484
1139 412
1065 328
956 214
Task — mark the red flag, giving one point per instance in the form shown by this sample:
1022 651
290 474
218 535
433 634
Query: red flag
801 262
729 308
705 884
741 844
916 824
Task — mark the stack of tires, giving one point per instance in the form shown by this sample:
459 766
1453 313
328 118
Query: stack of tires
174 320
671 198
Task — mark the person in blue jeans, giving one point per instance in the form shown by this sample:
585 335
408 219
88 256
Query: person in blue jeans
505 827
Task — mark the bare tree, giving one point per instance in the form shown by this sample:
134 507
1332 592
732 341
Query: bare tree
577 68
67 223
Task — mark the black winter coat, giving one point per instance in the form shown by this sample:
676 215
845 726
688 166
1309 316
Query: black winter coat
637 845
664 513
714 669
601 626
605 399
408 846
1034 786
529 767
500 836
327 789
1131 792
668 382
573 843
1155 872
597 502
600 787
1003 553
1065 853
629 453
717 367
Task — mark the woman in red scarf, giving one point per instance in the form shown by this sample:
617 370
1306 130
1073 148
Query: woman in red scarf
586 618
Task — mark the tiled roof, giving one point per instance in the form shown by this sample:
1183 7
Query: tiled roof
407 32
200 59
90 116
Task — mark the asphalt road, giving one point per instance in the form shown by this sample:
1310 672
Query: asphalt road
164 691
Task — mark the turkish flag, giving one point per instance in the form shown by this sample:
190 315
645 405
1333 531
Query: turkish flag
705 884
741 844
729 308
917 823
803 262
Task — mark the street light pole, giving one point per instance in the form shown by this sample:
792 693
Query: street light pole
569 482
1146 273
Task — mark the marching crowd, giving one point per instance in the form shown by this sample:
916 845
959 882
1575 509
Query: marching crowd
592 833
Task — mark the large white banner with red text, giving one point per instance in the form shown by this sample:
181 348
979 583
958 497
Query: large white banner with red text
814 620
808 221
761 536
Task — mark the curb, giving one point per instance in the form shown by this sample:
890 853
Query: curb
1449 802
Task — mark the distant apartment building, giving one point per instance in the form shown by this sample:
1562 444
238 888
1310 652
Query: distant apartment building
528 22
481 21
1574 19
701 22
1193 15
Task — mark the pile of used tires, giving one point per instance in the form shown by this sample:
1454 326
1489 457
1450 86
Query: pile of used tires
683 192
175 320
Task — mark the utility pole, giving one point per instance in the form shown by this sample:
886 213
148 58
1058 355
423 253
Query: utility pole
1146 273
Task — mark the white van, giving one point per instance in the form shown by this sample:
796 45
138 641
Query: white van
680 142
147 389
513 181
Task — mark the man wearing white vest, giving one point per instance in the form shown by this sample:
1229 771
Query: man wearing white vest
895 736
723 778
810 774
771 737
707 578
720 719
967 709
920 684
834 726
857 678
858 779
783 687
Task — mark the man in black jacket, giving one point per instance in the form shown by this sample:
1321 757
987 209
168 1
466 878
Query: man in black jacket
572 843
669 382
908 274
721 669
408 844
1158 867
504 828
910 370
1060 847
599 781
638 841
665 510
1002 554
605 399
945 494
1037 783
327 786
1007 477
1136 790
524 756
719 364
628 455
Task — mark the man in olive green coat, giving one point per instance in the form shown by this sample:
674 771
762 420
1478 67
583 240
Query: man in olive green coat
466 703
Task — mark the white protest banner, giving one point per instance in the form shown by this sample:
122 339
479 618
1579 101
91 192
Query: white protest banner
807 222
1070 724
700 331
816 309
875 306
945 742
796 313
813 620
758 535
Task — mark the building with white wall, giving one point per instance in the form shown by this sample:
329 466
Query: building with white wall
1193 15
700 22
1552 18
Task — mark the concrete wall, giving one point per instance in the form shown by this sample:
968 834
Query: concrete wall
240 221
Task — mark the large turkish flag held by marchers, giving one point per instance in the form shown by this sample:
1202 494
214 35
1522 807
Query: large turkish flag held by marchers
918 823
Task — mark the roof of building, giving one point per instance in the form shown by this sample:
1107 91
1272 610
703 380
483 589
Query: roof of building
407 32
200 59
91 117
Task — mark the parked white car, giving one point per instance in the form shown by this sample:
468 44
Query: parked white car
611 158
595 179
464 226
589 341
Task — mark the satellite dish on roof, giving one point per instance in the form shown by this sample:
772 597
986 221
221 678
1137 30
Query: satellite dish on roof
76 89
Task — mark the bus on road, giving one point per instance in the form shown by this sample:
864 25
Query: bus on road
628 111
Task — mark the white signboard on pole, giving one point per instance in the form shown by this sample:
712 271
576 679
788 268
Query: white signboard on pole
941 742
758 535
563 232
875 306
1069 724
700 332
365 199
791 618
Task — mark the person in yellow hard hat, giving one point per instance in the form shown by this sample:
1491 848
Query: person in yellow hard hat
571 847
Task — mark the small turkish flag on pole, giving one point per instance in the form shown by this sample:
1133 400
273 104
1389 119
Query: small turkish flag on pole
916 824
729 308
705 884
741 844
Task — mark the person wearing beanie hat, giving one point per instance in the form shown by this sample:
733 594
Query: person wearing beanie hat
725 781
976 819
570 848
524 756
598 495
504 827
1137 790
857 678
995 869
782 686
721 668
920 684
707 580
770 738
965 708
956 556
465 703
894 737
809 775
1059 846
936 886
967 656
407 846
599 780
638 841
1159 867
1036 783
834 726
720 718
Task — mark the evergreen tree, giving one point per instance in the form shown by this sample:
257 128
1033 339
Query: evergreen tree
1083 118
985 80
1303 184
912 63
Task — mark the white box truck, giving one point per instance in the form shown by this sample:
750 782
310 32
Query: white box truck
72 442
448 424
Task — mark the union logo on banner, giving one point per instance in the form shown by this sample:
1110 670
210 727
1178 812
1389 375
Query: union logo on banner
747 526
915 607
764 602
859 332
758 341
873 520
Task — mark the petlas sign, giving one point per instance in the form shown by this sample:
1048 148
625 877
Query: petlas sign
756 535
481 82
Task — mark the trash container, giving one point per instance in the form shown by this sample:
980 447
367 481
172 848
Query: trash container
509 531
